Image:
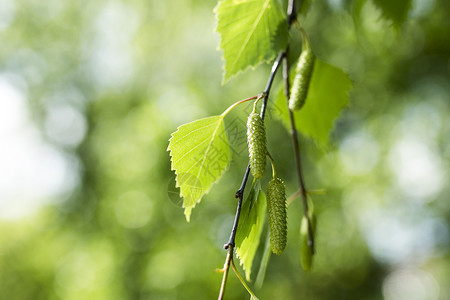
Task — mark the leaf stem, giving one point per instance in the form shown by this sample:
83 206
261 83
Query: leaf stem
239 102
256 101
274 174
242 280
306 44
301 182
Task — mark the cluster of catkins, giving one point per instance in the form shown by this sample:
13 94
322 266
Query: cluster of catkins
276 194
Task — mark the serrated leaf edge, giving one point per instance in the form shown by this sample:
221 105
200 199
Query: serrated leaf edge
187 210
227 77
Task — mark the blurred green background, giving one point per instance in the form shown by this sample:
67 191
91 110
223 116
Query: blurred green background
90 92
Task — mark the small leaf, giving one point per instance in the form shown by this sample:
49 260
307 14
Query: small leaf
200 154
327 95
251 32
395 10
250 227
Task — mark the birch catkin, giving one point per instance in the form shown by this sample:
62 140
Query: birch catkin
302 79
276 208
256 138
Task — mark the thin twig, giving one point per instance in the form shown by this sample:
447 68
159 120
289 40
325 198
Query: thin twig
301 182
291 12
240 193
226 268
308 192
266 92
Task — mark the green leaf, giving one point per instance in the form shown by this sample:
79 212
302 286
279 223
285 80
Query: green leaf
395 10
327 95
252 31
200 154
267 252
251 224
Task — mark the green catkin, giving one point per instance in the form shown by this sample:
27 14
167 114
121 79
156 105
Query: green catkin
303 74
305 249
276 208
256 138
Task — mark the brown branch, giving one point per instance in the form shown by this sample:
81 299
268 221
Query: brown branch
240 193
226 268
294 135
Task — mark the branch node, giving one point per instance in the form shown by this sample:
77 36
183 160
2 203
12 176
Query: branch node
240 193
228 245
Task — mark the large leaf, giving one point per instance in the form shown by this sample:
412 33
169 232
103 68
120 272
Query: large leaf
252 31
200 154
327 95
250 227
395 10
